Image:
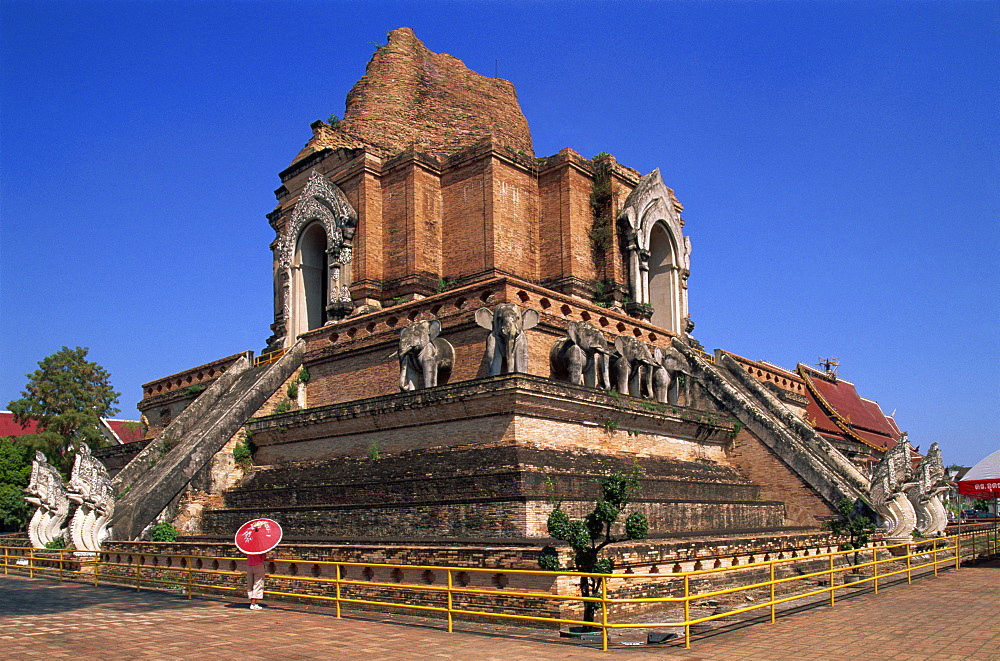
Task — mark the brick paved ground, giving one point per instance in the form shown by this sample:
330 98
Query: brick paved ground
955 616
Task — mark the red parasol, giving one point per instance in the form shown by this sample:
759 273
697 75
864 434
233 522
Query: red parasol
258 536
983 479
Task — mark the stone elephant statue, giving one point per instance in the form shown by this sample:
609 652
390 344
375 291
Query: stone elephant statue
424 358
583 357
665 379
507 345
637 371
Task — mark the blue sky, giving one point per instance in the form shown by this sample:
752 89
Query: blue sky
838 163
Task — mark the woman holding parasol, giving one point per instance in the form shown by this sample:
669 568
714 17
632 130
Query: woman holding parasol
255 538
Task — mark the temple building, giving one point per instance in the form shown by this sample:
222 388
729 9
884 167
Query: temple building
462 329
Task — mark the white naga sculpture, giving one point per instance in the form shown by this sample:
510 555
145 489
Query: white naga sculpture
47 493
90 488
925 495
890 482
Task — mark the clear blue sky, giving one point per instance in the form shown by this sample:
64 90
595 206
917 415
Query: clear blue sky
838 163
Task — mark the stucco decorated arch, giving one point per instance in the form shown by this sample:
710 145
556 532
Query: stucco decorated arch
323 204
658 254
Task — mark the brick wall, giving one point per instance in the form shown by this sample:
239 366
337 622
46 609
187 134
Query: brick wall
803 506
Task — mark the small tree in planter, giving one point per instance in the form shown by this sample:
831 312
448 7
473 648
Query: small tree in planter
588 537
857 527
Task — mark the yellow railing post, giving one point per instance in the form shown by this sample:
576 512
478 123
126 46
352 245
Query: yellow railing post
6 559
338 575
772 593
687 611
909 553
875 567
97 568
935 552
190 578
61 556
604 614
138 573
31 563
451 603
958 551
833 583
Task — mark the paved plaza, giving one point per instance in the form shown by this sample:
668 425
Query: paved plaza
955 616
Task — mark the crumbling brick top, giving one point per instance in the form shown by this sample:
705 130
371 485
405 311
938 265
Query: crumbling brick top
410 97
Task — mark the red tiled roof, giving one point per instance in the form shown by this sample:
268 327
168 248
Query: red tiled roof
127 431
835 405
8 427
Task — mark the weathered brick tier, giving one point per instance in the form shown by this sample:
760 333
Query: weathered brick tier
493 490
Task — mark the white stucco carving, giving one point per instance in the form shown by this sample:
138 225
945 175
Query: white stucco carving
890 482
926 494
47 492
659 255
321 202
90 488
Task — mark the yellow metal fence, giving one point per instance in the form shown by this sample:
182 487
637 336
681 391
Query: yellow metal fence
465 591
268 358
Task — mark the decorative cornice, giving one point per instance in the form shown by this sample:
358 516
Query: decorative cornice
320 200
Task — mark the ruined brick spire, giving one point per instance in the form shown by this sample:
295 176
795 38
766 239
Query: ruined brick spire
412 97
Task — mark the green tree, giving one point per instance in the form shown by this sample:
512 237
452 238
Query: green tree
856 527
589 536
15 471
66 397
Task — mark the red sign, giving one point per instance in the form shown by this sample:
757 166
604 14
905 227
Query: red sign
980 488
258 536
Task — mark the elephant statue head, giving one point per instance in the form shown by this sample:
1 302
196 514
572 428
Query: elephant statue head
635 367
582 357
424 358
507 344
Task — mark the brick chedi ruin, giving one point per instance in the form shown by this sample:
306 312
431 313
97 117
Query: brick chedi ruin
461 327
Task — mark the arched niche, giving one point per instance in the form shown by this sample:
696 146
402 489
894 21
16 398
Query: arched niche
310 280
313 255
657 252
663 277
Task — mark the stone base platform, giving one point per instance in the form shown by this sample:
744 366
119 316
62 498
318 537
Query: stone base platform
492 491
